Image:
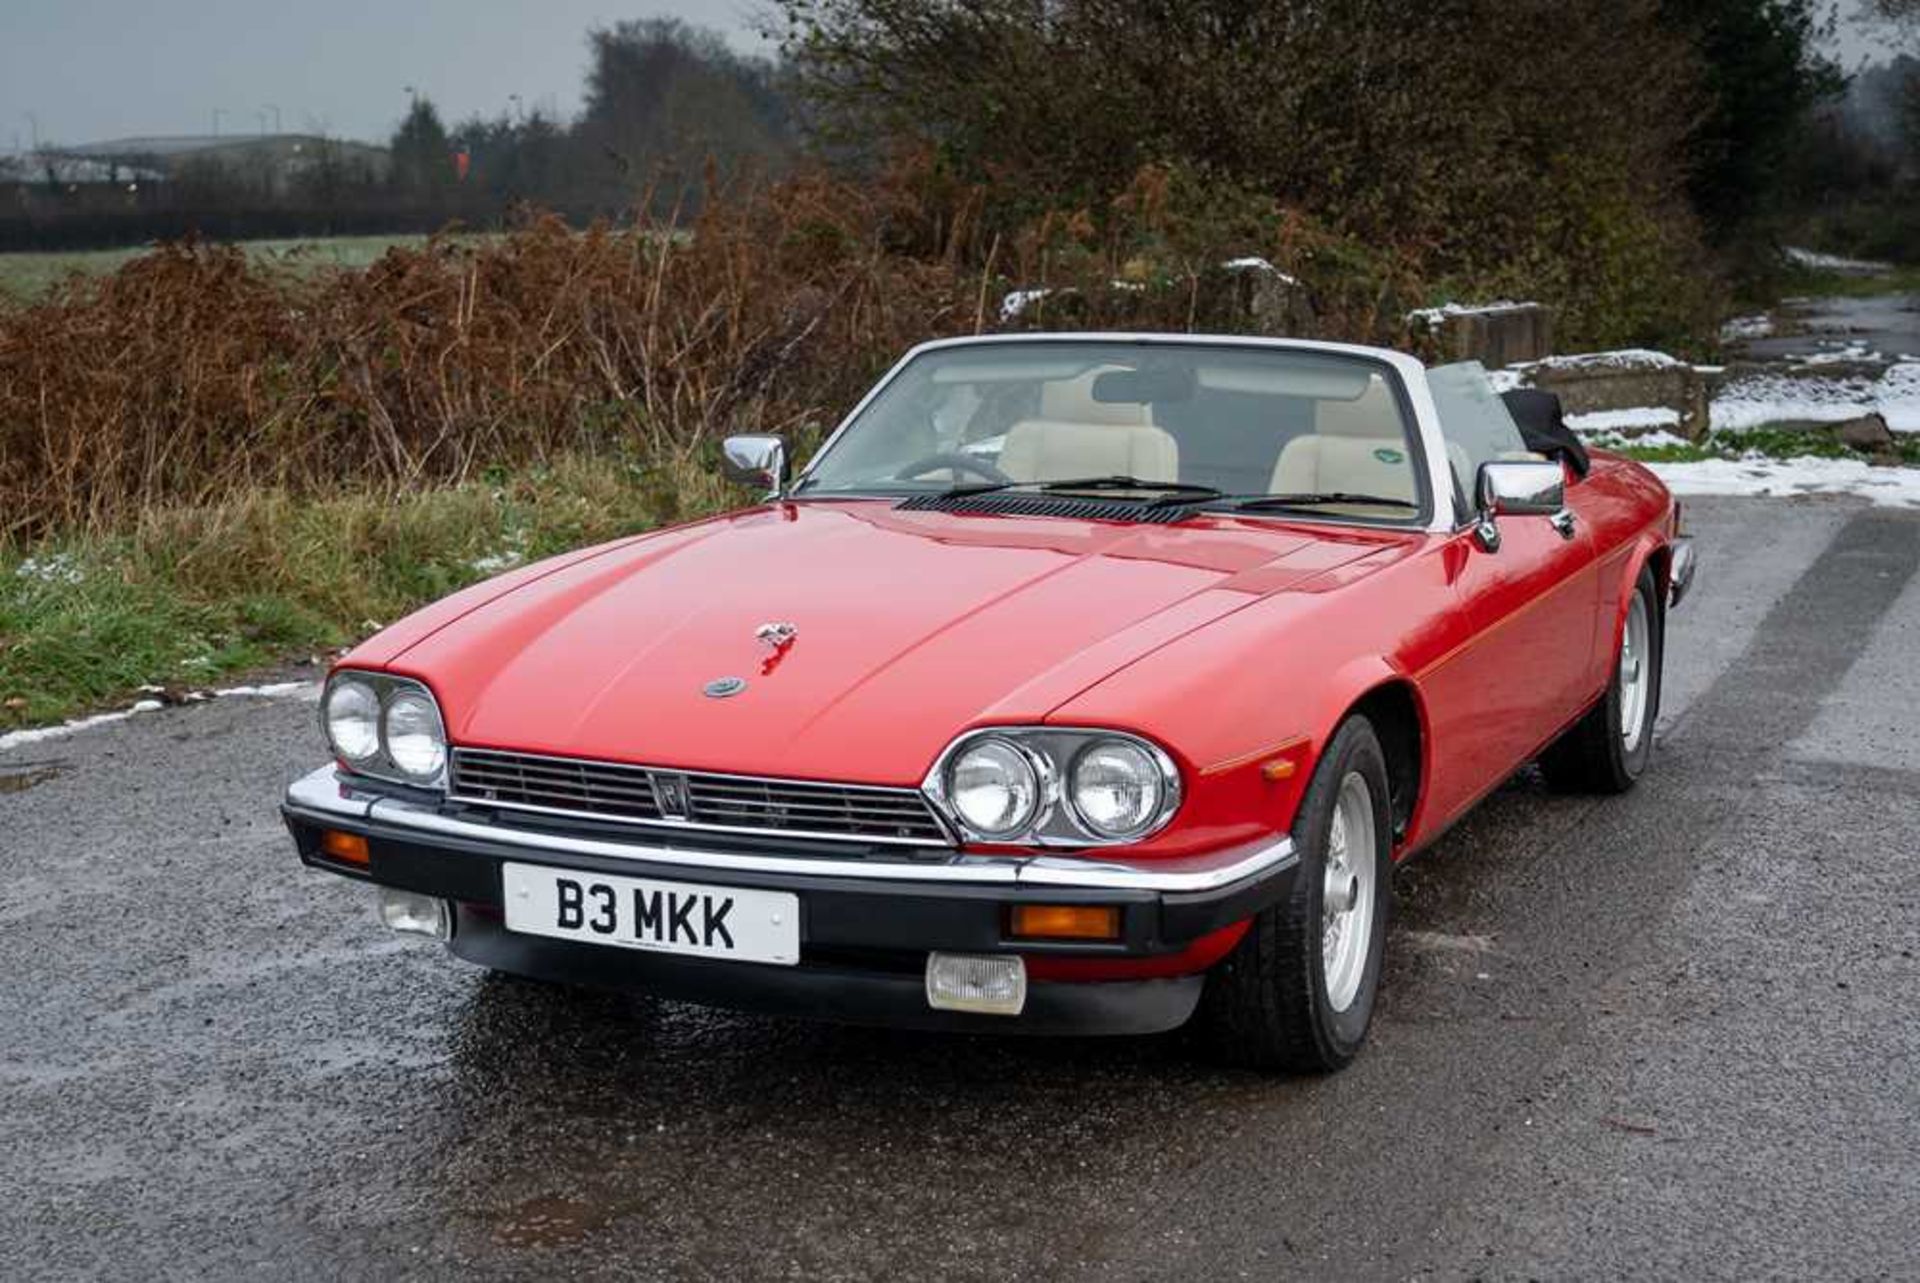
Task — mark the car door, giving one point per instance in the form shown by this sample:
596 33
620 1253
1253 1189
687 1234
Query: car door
1524 668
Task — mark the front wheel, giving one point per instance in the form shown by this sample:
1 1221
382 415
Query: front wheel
1297 993
1607 750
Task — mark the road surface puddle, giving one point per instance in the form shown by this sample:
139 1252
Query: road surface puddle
18 779
548 1222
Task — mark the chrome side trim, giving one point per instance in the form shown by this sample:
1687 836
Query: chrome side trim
1202 873
322 796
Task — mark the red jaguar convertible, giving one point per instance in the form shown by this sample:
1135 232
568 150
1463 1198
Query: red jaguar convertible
1079 683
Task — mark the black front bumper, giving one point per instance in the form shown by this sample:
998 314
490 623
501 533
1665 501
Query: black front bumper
866 926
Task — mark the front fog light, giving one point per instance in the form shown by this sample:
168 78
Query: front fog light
989 984
417 915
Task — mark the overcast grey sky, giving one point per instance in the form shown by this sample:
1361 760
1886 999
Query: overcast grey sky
95 69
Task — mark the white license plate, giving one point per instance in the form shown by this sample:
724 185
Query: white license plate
640 913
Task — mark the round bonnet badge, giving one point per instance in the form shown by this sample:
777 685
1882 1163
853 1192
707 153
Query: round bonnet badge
722 687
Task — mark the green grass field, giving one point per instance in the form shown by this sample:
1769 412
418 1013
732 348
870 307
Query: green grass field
193 595
26 276
1903 279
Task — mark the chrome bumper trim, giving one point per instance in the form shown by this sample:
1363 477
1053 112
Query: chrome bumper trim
323 795
1680 572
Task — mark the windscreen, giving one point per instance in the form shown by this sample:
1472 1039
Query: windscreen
1242 421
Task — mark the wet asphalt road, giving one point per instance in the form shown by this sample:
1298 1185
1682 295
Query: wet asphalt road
1888 324
1671 1034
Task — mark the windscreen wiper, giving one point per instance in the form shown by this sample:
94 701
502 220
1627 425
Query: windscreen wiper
1120 482
1260 502
1172 491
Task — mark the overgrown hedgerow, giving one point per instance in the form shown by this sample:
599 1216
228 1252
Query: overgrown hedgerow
193 376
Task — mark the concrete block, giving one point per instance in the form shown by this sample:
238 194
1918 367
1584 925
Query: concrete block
1497 335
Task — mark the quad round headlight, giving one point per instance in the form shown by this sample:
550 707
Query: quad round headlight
994 788
416 743
353 720
384 726
1117 788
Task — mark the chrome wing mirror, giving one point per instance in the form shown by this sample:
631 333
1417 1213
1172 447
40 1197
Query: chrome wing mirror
1521 488
759 460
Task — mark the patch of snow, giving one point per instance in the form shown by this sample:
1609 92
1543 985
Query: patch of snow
1758 476
1836 263
1257 264
1506 380
1017 301
509 555
1646 416
309 691
1650 440
37 734
1632 358
1784 398
1431 317
1899 397
1747 327
495 562
52 568
1849 352
1660 440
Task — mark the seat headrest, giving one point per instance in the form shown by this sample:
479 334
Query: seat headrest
1045 450
1071 401
1371 414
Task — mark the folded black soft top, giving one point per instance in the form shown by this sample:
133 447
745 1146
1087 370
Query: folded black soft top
1543 426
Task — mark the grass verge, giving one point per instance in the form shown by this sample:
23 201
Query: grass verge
186 596
27 274
1770 443
1811 283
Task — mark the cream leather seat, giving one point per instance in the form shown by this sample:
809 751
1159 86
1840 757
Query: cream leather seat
1077 436
1357 447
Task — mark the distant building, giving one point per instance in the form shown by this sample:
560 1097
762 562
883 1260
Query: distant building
270 162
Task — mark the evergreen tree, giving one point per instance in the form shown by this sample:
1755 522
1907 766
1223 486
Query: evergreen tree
1761 73
422 153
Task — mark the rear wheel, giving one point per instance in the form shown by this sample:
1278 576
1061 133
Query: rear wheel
1609 748
1297 993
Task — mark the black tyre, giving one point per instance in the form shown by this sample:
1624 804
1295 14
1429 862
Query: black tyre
1297 993
1609 748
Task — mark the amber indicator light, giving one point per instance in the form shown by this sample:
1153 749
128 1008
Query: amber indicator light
1066 921
348 848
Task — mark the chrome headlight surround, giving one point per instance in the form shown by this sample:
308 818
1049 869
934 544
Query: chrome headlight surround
1053 751
414 700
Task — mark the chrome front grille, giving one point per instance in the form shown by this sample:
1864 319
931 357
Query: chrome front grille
731 803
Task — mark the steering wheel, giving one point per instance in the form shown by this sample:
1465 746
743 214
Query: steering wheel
958 461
